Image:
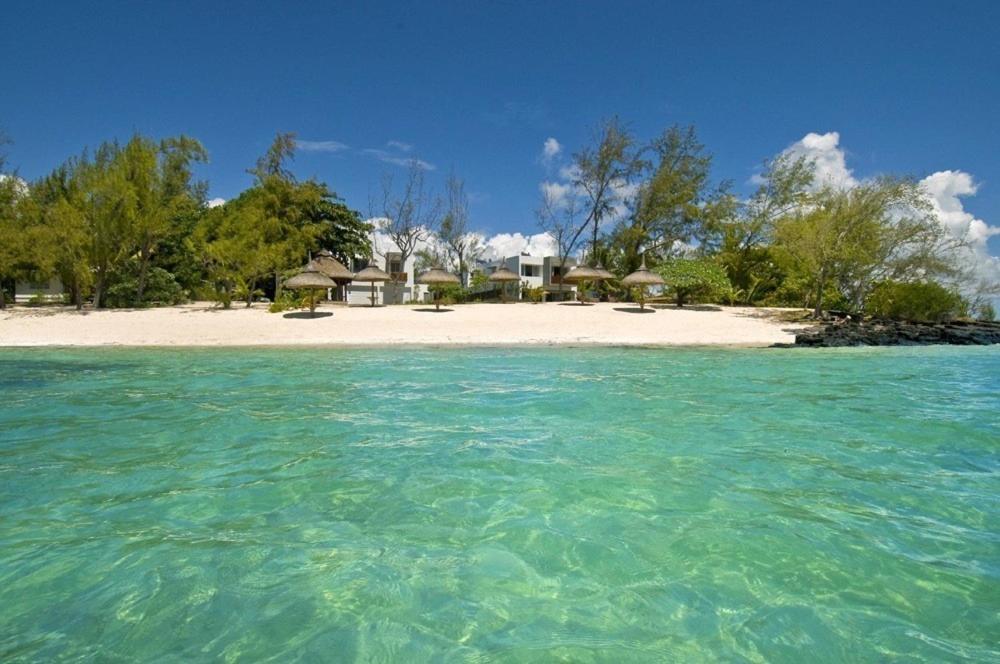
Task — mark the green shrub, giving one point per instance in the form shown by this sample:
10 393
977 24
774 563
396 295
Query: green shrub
288 299
987 312
161 288
919 301
695 278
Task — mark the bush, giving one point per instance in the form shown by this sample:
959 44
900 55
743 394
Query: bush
987 312
161 288
918 301
695 278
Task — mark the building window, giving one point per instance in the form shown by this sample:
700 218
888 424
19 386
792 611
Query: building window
531 271
395 266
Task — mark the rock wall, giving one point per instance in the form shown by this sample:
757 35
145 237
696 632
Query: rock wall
899 333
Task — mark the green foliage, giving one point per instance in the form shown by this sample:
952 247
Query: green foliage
694 278
918 301
986 312
161 287
287 300
533 294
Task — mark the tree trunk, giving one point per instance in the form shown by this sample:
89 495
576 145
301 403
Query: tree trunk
818 307
3 298
99 293
143 270
78 296
681 296
250 289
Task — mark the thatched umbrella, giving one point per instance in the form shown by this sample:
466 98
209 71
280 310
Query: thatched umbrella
437 276
372 273
579 274
327 264
503 276
312 280
642 278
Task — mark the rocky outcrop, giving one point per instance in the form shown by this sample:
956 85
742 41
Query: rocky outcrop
898 333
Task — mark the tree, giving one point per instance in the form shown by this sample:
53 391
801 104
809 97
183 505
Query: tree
604 171
462 246
746 237
677 203
342 231
267 230
409 216
849 240
919 300
559 218
694 277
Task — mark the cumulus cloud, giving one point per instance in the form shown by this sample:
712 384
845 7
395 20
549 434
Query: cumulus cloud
945 190
513 244
829 158
216 202
320 146
550 150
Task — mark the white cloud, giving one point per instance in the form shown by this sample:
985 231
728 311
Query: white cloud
828 157
20 186
550 150
390 158
945 190
556 192
216 202
320 146
399 145
514 244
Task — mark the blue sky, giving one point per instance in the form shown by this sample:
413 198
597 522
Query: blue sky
911 87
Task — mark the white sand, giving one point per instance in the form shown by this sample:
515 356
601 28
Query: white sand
202 324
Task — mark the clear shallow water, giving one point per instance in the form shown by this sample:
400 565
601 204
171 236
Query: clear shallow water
500 505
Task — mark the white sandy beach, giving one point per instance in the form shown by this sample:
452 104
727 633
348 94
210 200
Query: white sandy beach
203 324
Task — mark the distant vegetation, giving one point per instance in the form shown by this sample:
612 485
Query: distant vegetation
129 225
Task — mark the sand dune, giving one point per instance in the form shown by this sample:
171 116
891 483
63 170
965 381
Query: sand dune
202 324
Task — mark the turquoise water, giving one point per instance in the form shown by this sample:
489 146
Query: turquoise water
500 505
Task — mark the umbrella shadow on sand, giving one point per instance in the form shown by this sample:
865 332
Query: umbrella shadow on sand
634 310
307 315
428 310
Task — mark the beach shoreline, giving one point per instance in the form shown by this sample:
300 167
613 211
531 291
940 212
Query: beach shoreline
205 325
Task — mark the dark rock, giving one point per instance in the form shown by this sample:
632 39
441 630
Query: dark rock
898 333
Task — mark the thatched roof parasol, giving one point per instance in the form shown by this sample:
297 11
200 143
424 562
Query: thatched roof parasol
372 273
605 274
327 264
503 276
310 278
643 277
579 273
437 275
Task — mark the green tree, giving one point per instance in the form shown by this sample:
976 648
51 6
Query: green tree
919 300
603 172
677 203
462 246
851 239
689 278
745 240
342 231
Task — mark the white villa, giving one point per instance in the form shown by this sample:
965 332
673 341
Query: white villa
402 289
49 290
537 271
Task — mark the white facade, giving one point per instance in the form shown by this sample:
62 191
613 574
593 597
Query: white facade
535 272
401 290
50 290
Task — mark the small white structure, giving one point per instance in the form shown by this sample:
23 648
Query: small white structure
400 290
50 290
535 272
